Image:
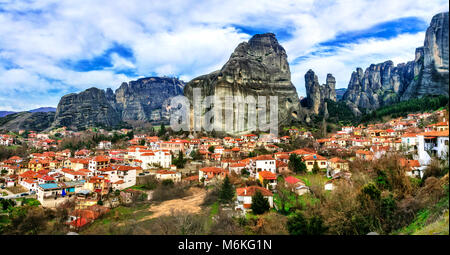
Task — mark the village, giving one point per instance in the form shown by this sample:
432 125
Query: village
89 177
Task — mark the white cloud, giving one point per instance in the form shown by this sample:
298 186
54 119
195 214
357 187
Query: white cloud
182 38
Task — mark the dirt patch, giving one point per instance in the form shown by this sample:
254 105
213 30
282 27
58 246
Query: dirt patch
189 204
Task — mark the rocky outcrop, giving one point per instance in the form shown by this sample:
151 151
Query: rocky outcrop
258 67
86 109
384 83
37 121
146 99
316 94
431 62
378 85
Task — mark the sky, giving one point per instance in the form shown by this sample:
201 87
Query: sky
50 48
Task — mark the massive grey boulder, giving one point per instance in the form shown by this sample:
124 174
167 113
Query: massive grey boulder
258 67
316 94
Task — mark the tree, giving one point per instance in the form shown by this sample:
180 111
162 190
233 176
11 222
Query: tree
226 192
162 130
180 161
142 142
316 168
211 149
298 224
195 155
296 164
260 204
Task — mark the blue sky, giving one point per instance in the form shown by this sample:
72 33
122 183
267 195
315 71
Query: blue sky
50 48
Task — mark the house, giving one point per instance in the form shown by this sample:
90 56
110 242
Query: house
237 167
267 179
168 175
208 174
54 191
364 155
432 144
121 177
104 145
76 163
38 164
296 185
244 197
412 167
152 159
310 160
338 164
409 141
98 162
262 163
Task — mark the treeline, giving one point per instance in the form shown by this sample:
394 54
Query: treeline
7 152
400 109
91 141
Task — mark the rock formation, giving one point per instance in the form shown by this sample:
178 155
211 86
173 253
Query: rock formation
378 85
88 108
316 94
431 63
384 83
258 67
143 100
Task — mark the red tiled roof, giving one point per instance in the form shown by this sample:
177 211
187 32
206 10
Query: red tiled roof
267 175
252 190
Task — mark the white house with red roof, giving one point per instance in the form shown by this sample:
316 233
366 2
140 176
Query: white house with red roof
244 197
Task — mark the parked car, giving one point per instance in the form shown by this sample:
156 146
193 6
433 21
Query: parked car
24 194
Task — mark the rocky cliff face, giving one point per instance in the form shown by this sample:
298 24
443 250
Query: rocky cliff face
88 108
384 83
147 99
378 85
258 67
316 94
143 100
431 63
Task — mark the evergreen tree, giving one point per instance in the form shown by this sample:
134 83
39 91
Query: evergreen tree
316 168
226 192
162 130
297 224
296 164
260 204
211 149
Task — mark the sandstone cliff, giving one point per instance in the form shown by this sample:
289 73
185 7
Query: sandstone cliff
258 67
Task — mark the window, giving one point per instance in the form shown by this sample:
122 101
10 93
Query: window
446 142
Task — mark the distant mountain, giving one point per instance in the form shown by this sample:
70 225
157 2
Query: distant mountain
40 109
4 113
44 109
